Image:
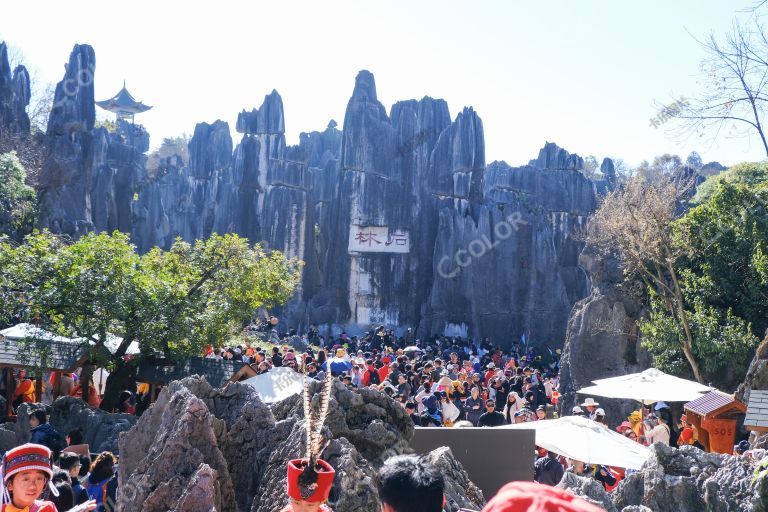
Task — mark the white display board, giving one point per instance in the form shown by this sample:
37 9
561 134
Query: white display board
378 239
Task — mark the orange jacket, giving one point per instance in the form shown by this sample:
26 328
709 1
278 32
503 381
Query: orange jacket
25 389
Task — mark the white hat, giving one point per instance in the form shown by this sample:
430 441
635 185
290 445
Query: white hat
590 402
577 410
599 412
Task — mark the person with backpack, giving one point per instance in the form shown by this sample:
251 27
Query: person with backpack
102 473
43 433
371 375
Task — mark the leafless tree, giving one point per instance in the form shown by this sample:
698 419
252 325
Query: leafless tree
734 78
636 221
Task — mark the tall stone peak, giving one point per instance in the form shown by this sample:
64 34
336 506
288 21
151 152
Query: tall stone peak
74 109
14 95
552 156
210 149
267 119
365 87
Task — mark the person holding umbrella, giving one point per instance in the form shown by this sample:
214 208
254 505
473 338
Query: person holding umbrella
337 365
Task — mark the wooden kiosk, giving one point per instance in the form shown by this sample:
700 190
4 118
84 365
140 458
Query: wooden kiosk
38 356
715 416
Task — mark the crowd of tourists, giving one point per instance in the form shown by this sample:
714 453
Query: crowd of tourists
441 381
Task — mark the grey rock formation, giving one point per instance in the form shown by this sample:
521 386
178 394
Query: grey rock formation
689 479
228 448
100 429
460 492
172 452
90 175
14 96
589 489
602 338
757 374
413 170
374 423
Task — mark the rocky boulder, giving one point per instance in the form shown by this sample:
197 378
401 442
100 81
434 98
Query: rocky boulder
688 480
602 339
460 492
227 448
589 489
172 453
376 425
100 428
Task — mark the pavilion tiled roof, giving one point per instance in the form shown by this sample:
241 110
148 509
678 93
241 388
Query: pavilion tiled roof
757 410
712 402
43 353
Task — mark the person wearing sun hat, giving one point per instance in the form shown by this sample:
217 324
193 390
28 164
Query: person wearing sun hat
591 406
26 470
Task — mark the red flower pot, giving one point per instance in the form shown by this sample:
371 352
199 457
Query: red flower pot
324 480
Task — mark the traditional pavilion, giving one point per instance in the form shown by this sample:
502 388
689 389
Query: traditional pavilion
123 105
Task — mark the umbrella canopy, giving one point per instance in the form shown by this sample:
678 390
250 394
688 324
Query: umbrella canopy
649 386
585 440
100 380
338 365
412 348
277 384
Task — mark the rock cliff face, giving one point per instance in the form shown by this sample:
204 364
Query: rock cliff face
602 339
200 448
397 216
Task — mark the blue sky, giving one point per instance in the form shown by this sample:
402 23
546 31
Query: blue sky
584 74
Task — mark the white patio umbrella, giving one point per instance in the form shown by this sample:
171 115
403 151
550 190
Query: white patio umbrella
585 440
649 386
100 379
277 384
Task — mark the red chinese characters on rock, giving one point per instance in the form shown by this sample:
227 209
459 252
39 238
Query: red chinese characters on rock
367 237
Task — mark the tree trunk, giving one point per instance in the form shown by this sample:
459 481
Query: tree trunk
683 314
116 382
85 381
119 378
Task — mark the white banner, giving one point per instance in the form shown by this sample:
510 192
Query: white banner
378 239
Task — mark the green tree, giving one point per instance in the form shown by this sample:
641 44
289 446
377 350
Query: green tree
18 203
746 173
172 303
723 275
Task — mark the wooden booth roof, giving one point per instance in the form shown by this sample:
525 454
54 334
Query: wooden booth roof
217 373
714 403
43 353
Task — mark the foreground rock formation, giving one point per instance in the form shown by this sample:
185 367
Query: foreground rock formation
100 429
202 449
685 480
397 216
